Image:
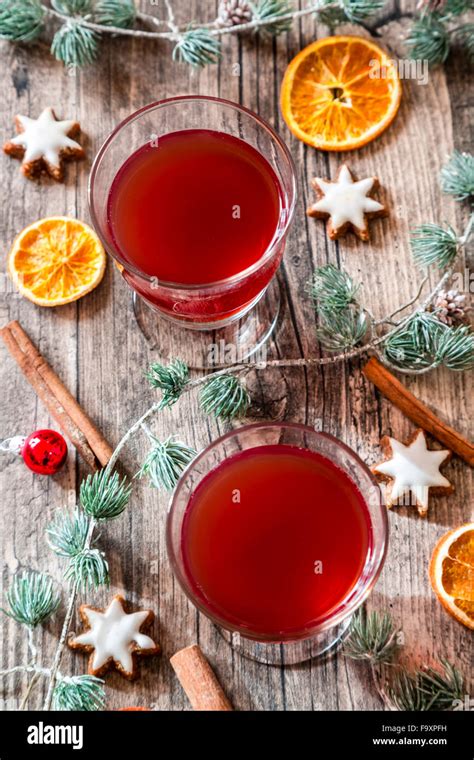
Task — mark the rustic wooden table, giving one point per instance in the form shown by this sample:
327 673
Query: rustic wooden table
99 351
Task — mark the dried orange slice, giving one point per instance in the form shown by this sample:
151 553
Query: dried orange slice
452 573
57 260
339 93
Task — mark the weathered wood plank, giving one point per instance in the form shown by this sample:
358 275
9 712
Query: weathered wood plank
100 353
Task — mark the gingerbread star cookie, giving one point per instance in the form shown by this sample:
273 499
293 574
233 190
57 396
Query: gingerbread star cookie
346 203
412 470
114 638
43 144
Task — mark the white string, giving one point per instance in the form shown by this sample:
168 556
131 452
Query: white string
12 445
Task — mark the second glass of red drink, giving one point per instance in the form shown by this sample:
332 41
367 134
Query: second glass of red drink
193 197
278 533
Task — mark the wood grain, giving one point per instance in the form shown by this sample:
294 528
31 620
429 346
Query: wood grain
97 349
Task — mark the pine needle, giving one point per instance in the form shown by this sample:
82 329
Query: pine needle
225 397
67 533
197 47
171 380
21 20
83 693
104 496
166 462
457 175
372 637
32 598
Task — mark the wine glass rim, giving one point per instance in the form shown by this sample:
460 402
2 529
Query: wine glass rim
280 231
355 596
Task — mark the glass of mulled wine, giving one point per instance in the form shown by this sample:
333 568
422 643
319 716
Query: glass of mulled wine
277 533
193 196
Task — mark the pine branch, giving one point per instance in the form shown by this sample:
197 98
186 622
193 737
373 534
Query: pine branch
72 7
425 342
465 36
198 47
432 244
455 348
456 7
426 689
332 289
67 533
21 20
431 35
32 598
171 380
75 45
457 175
104 496
166 462
270 13
119 13
343 330
225 397
372 637
88 570
358 11
195 44
429 39
82 693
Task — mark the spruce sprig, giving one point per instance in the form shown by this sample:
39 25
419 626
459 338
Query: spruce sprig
75 45
270 11
372 637
427 689
430 38
197 47
424 342
67 533
171 380
343 324
225 397
165 462
82 693
21 20
32 598
332 288
432 244
88 570
104 496
457 175
85 21
121 13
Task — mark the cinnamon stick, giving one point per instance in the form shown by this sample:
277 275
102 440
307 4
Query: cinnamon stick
60 403
198 680
416 411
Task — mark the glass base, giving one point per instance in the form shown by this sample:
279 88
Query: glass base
212 348
292 653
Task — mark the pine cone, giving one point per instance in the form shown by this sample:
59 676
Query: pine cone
451 308
233 12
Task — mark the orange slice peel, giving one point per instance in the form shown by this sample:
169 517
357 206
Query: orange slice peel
452 573
56 261
339 93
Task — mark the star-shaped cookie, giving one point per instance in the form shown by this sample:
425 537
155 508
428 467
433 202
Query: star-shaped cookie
346 203
114 638
412 470
44 143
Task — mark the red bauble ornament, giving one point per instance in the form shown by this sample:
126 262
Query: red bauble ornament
44 452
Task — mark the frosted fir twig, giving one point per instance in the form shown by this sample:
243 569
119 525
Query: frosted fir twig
65 627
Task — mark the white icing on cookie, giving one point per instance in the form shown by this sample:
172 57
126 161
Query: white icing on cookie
414 468
112 634
45 137
346 201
